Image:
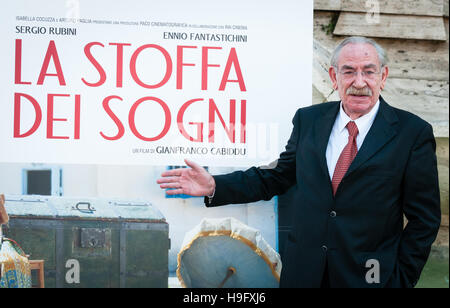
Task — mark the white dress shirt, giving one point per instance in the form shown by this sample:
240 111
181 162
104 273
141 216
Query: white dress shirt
339 135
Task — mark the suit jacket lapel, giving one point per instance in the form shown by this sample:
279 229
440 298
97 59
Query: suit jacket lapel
381 132
323 127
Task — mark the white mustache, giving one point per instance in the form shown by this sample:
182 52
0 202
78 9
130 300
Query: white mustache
366 91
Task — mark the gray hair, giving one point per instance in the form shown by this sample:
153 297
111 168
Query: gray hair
382 56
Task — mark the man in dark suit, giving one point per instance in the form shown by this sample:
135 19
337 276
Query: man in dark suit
359 165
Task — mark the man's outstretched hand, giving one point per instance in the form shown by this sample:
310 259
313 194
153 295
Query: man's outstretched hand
193 181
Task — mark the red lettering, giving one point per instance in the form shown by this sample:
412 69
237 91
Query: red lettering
52 53
119 71
205 66
98 67
37 119
51 119
120 127
77 116
232 60
18 66
243 119
227 76
168 66
181 126
212 111
180 65
132 115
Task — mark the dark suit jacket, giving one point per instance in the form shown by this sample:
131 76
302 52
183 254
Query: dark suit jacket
394 173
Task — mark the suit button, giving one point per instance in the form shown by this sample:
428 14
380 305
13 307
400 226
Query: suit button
324 248
333 214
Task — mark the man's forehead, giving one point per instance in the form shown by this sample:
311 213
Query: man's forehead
358 54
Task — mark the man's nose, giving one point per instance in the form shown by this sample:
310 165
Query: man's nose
359 81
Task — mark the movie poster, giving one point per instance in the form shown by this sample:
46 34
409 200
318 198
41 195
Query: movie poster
152 82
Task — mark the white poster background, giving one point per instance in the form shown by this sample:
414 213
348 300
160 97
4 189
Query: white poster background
276 63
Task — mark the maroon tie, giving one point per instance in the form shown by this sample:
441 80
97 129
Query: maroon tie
347 156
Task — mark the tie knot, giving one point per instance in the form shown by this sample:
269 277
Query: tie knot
352 129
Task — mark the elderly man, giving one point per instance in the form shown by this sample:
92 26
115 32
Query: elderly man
359 165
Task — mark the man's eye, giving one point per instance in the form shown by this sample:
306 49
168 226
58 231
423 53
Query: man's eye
348 73
369 73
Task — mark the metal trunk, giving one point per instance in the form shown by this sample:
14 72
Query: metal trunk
109 243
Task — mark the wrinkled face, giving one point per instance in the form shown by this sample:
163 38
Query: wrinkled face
358 78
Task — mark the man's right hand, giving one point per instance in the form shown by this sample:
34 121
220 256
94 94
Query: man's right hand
193 181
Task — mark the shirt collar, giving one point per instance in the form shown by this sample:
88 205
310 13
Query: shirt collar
363 123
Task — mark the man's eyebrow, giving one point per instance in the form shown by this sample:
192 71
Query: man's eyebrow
370 66
347 67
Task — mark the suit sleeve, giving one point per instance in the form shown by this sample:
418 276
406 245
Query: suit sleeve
260 183
421 207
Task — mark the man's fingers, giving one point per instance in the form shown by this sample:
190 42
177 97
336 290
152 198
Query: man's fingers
174 192
193 165
172 179
173 172
171 185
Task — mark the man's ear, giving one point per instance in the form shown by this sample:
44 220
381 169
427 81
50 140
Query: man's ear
332 72
384 75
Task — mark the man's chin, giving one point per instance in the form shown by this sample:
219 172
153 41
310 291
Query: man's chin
358 105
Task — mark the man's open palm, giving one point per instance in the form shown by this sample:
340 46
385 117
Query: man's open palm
193 181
